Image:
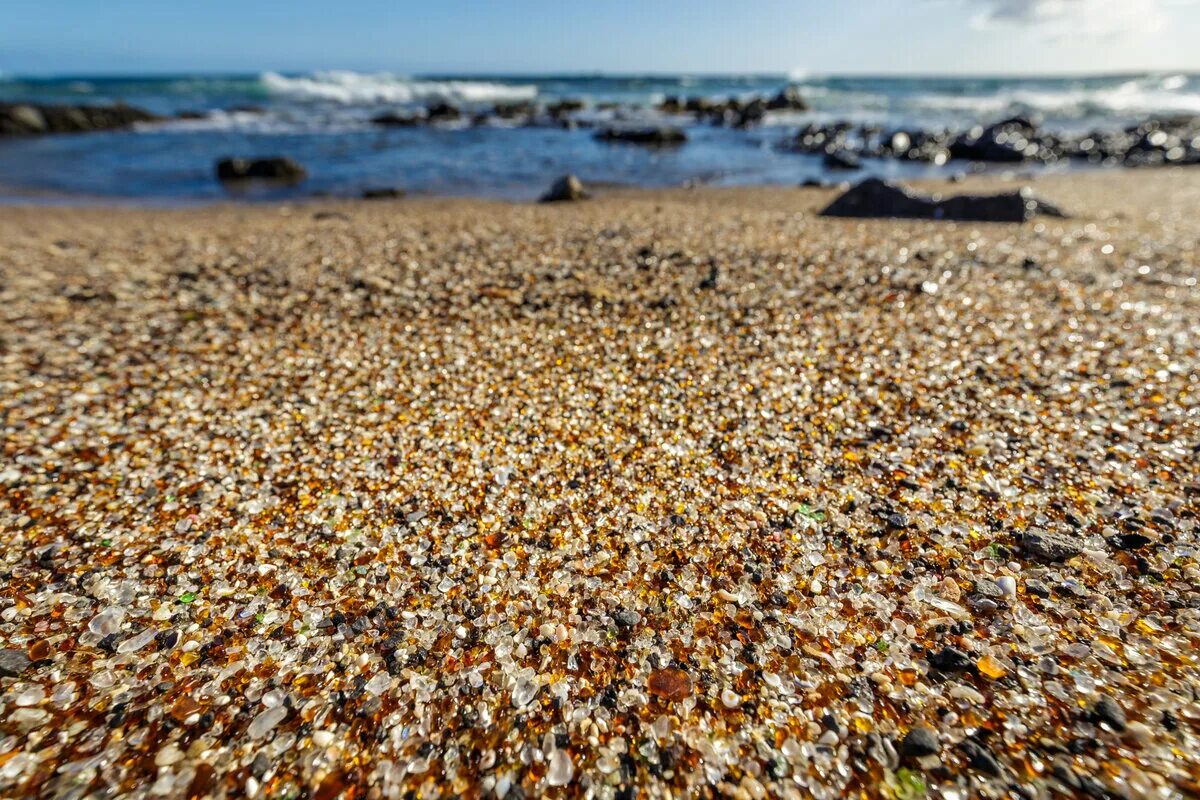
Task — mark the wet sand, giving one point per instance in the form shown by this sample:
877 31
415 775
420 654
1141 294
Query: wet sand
660 492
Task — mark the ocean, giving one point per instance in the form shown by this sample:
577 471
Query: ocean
323 121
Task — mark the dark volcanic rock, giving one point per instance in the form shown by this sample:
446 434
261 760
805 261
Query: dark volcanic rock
391 119
652 137
980 758
951 659
513 110
1049 547
842 160
788 99
566 189
1109 711
383 193
442 112
564 107
919 742
279 170
876 198
25 119
1009 141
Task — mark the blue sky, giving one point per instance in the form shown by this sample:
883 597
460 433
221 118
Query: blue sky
842 36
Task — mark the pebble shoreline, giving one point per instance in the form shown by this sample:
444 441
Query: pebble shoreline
680 493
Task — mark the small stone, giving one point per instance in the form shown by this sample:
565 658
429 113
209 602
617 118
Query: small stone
107 622
1129 541
919 742
948 590
1109 711
991 668
951 659
1008 585
566 189
730 698
670 684
265 722
561 770
523 693
13 663
626 618
171 754
1037 588
1050 547
981 759
988 588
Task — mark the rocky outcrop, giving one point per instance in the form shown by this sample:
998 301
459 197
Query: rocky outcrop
655 136
568 188
28 119
275 170
875 198
442 112
392 119
1169 141
788 99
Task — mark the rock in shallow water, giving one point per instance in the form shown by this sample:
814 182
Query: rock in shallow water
877 198
278 169
651 137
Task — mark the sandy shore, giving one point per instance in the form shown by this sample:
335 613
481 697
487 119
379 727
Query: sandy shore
660 492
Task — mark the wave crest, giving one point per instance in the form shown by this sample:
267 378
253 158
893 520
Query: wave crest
356 88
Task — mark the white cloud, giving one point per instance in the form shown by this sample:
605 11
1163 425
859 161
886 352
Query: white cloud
1090 18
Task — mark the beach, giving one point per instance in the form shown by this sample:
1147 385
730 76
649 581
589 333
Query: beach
664 493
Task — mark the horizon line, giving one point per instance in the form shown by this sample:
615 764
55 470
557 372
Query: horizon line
792 75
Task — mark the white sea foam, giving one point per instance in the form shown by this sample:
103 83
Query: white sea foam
1153 95
356 88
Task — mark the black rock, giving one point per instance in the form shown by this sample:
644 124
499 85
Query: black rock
391 119
1010 141
1109 711
876 198
564 107
788 99
842 160
1129 541
513 110
951 659
442 112
383 193
275 169
27 119
13 663
919 742
981 759
1049 547
566 189
662 136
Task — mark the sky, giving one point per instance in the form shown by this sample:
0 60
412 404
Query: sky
71 37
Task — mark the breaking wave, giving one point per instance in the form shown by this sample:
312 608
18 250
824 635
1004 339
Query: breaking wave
356 88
